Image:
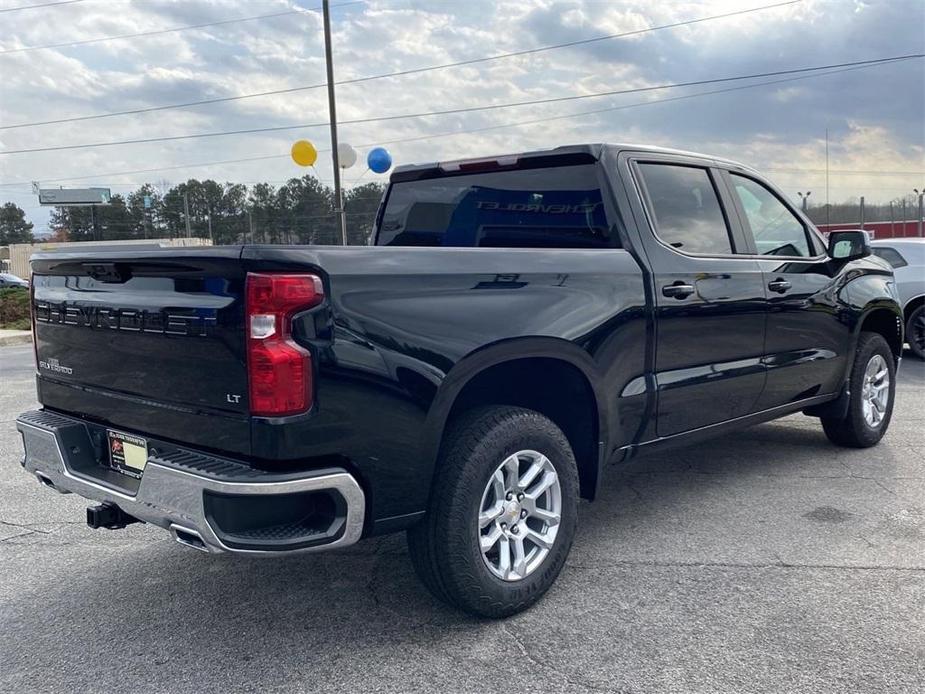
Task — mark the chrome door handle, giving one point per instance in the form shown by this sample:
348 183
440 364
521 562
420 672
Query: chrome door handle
677 290
779 285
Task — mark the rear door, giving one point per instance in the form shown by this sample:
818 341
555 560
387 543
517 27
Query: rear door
709 302
807 342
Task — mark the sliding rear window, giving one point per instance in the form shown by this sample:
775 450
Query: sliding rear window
556 207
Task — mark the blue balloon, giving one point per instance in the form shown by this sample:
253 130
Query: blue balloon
379 160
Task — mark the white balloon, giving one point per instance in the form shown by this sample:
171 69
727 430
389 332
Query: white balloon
346 155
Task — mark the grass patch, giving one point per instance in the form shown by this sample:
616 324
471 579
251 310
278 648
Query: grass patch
14 309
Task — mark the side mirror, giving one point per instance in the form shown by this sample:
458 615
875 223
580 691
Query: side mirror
849 245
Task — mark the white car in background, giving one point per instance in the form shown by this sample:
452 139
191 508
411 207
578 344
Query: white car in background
907 256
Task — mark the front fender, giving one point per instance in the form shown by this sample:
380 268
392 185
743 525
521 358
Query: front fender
870 301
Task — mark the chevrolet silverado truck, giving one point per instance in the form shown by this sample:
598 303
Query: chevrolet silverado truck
516 324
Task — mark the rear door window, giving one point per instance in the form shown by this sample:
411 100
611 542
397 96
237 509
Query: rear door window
551 207
686 208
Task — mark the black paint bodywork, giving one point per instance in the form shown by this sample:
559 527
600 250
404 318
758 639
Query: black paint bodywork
403 330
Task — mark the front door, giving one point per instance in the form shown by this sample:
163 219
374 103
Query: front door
710 304
807 343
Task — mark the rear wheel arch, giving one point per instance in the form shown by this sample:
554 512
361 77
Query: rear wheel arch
547 375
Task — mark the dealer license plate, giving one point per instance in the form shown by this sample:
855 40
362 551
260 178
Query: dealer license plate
127 454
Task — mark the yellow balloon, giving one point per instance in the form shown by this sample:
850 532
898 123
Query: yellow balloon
304 153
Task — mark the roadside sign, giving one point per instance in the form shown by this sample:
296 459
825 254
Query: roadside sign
74 196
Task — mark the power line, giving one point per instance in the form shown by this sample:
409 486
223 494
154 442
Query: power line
441 135
469 109
161 168
399 73
622 107
455 133
156 32
35 7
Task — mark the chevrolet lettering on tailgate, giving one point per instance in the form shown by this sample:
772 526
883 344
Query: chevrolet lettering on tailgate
131 320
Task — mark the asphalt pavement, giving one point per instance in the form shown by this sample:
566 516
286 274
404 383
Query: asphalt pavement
765 561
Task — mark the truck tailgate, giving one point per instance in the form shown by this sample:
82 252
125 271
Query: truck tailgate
145 339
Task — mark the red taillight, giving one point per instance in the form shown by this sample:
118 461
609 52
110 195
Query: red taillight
279 371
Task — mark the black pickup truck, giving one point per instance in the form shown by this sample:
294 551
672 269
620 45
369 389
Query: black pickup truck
518 323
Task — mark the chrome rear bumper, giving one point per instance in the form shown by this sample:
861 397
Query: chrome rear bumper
209 503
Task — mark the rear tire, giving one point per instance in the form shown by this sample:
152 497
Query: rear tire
502 513
873 387
915 332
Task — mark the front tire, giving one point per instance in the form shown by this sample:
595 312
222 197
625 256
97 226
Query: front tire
502 514
873 386
915 332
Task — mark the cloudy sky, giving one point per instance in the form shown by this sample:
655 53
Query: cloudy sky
875 115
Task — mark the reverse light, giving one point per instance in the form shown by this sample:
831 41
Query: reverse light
279 371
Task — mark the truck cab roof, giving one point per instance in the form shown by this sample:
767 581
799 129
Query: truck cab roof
580 153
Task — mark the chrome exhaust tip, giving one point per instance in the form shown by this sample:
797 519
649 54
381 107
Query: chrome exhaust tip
45 481
188 537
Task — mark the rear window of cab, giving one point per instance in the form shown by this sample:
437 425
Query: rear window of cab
550 207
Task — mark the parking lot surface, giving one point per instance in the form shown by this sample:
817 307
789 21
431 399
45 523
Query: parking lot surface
767 560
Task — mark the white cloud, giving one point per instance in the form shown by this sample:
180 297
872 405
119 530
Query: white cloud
875 116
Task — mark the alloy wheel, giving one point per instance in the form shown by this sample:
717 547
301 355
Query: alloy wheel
875 391
519 515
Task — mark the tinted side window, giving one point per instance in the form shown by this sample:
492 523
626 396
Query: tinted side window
776 230
686 208
551 207
890 255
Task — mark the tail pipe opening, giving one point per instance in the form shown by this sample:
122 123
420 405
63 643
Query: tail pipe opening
187 537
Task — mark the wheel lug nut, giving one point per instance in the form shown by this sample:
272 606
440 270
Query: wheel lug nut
523 514
510 495
520 497
514 529
504 526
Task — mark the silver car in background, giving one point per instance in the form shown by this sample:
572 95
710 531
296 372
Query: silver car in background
907 256
8 281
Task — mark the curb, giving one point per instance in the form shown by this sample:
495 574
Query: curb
17 338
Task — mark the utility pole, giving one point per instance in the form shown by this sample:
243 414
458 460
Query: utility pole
186 214
146 214
892 221
828 207
95 222
921 194
332 111
862 212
